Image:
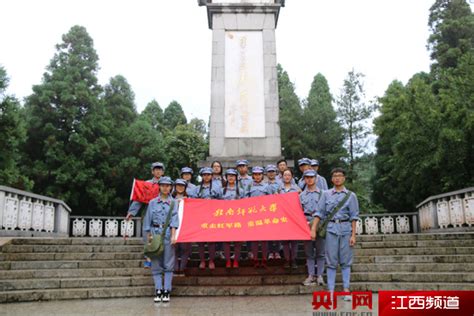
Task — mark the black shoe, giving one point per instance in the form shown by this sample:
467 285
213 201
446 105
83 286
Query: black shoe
166 297
158 296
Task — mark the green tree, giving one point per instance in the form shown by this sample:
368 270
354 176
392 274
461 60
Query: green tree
66 132
407 128
153 114
141 145
291 114
199 126
12 137
120 101
354 113
452 33
452 50
174 115
185 147
323 134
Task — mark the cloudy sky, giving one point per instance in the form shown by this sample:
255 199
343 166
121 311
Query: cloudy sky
163 48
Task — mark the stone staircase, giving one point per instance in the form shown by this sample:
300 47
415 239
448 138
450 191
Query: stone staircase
78 268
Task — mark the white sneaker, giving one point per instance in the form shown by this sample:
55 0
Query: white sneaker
158 296
320 280
270 256
166 296
309 281
277 256
250 255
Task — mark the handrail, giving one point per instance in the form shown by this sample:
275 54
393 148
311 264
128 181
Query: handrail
35 196
439 196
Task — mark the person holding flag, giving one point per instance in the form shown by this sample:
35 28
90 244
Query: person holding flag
162 218
314 250
138 200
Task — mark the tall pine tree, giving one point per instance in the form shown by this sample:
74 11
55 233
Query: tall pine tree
66 132
291 115
323 134
354 112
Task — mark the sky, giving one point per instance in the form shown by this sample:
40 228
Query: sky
163 48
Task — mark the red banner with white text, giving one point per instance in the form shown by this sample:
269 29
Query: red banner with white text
270 217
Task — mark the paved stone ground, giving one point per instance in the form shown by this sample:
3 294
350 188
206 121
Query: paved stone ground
230 305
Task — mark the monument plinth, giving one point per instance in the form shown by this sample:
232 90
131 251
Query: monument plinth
244 120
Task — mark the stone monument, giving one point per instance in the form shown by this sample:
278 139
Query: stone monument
244 120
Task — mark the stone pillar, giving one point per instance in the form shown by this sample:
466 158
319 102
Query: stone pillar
244 120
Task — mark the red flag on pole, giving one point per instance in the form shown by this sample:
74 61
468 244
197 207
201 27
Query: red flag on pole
270 217
144 191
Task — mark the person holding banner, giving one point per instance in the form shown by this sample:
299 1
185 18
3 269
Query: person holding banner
207 191
258 188
245 181
232 191
313 249
187 174
158 219
339 209
183 250
218 180
288 186
157 170
273 246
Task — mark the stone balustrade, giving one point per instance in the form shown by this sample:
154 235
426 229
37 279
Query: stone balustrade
387 223
369 224
24 213
448 211
102 226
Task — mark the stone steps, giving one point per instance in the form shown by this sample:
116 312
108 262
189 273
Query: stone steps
135 263
262 280
243 271
110 255
230 290
70 268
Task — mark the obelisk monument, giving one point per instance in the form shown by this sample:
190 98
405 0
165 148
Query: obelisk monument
244 120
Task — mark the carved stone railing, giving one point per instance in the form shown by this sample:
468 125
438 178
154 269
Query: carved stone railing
448 211
103 226
24 213
387 223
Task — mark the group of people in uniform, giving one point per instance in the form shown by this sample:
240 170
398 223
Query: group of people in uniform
336 206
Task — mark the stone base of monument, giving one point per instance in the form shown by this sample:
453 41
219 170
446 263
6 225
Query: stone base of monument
229 162
33 269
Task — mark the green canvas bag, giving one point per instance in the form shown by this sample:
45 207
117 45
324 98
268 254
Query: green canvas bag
322 227
156 247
